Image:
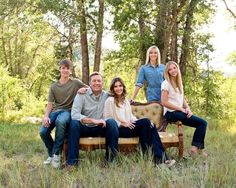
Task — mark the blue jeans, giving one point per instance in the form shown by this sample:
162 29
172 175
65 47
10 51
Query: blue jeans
77 131
60 120
194 121
148 137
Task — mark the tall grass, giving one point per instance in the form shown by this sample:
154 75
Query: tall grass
22 153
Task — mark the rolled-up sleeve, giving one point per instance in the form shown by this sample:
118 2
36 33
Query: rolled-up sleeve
77 107
141 78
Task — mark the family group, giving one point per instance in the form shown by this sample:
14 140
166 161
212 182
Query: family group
89 111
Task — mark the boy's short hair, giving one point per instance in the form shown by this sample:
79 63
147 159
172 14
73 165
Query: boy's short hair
94 74
66 62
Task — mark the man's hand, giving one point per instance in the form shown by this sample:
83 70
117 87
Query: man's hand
100 122
46 121
83 90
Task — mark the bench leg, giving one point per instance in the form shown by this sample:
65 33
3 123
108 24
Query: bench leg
64 152
181 147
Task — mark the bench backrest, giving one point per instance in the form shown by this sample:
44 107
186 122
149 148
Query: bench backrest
152 111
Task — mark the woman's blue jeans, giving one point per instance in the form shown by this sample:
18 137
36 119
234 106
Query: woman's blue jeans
148 138
198 123
60 120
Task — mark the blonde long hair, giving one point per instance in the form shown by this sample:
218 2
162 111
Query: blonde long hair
178 78
148 55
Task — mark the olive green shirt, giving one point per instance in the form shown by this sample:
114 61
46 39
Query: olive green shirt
62 95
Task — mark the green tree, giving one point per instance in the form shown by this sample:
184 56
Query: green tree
232 58
26 45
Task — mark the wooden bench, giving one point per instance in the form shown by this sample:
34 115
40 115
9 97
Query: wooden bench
152 111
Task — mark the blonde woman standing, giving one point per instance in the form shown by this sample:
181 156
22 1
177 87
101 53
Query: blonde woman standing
176 107
152 73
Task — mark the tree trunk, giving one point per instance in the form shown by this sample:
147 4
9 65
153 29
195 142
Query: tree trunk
84 43
70 47
173 45
161 24
98 45
142 50
186 41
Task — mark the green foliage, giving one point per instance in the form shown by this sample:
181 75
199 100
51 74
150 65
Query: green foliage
36 34
229 102
126 25
16 103
212 95
124 68
232 58
204 94
11 93
26 47
202 85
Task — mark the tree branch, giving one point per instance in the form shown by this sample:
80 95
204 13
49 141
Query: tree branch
227 7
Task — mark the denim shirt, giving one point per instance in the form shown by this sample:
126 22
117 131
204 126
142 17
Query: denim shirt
153 76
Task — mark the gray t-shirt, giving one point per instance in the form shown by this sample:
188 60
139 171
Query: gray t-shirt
62 95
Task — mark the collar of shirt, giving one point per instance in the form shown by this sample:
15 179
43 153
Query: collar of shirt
95 97
149 65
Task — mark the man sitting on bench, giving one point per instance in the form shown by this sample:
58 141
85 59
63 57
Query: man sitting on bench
86 115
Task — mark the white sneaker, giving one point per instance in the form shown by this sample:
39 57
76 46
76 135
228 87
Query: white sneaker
56 161
166 164
47 161
170 163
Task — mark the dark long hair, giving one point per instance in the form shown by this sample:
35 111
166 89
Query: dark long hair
112 92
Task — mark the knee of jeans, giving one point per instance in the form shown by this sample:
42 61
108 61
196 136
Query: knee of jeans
74 125
147 122
61 122
204 123
112 125
43 132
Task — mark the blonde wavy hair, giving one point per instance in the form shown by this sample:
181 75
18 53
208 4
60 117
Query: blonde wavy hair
167 76
148 55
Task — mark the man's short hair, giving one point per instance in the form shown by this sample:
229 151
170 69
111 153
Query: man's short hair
94 74
66 62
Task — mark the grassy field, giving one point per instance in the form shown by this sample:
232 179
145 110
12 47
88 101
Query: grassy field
22 153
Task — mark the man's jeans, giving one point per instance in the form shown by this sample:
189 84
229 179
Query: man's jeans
194 121
148 138
77 131
60 120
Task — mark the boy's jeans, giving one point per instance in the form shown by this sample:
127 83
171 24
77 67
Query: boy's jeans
60 120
